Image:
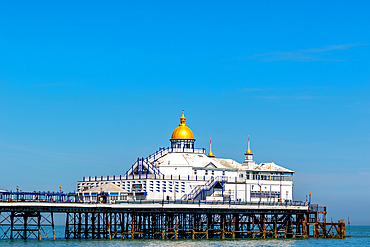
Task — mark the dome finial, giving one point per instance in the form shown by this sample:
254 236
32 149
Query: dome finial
210 154
182 119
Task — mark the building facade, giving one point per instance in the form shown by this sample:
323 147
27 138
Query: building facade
183 172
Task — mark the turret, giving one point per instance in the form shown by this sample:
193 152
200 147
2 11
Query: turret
248 155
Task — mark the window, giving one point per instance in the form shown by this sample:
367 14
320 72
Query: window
213 173
195 172
223 173
206 172
254 175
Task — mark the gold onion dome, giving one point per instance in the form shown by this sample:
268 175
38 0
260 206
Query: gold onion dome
248 152
182 131
210 154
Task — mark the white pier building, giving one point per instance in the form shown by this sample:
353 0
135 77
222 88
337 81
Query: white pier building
183 172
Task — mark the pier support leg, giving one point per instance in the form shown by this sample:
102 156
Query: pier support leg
275 226
39 225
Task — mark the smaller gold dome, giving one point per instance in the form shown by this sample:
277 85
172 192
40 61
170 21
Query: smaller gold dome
248 152
210 154
182 131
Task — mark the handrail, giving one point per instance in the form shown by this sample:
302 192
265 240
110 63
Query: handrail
316 207
151 158
160 153
204 187
74 199
228 202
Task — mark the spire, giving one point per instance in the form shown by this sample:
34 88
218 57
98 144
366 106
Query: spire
249 152
182 119
210 154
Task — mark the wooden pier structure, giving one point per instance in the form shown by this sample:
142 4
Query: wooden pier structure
167 220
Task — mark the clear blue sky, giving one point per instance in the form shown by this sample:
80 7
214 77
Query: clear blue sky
87 87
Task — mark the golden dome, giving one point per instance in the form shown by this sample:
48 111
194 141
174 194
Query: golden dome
248 152
210 154
182 131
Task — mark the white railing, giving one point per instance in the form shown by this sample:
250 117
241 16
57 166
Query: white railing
205 187
187 150
160 153
156 173
148 176
148 161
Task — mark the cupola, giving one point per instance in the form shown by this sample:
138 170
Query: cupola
248 155
182 137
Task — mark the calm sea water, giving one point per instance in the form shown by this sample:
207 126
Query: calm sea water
360 237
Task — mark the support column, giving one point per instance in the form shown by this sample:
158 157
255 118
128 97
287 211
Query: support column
39 225
236 225
275 226
86 230
223 226
52 224
25 218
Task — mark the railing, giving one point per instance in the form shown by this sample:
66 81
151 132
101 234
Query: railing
204 187
148 176
148 162
72 198
39 196
187 150
160 153
228 202
316 207
140 161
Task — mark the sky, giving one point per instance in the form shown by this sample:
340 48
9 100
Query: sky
87 87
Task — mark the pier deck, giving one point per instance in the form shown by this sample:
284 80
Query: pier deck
150 205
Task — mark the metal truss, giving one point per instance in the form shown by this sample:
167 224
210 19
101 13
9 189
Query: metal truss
175 223
27 225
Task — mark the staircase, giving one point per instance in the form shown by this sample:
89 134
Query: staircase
205 187
141 162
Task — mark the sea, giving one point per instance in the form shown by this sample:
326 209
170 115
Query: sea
360 236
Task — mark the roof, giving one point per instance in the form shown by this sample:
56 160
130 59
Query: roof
202 161
107 187
192 159
271 167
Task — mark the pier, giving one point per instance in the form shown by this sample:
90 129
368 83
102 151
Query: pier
168 220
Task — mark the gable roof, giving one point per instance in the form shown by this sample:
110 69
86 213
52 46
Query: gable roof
210 164
271 167
107 187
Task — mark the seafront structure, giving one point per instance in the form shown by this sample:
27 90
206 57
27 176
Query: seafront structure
179 192
183 172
